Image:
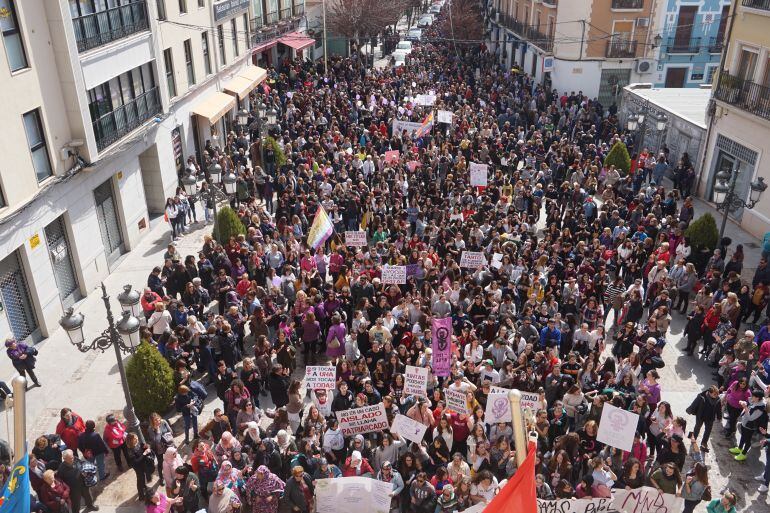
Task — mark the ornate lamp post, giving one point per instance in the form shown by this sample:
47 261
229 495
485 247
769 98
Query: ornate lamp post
122 336
728 201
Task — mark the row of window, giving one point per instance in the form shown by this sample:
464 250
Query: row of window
38 148
13 42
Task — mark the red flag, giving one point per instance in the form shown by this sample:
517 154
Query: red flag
518 494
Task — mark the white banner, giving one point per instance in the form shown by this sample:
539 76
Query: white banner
352 494
425 99
321 376
498 408
617 427
410 429
455 400
600 505
472 259
363 420
322 401
478 174
416 381
644 499
356 239
444 116
410 126
393 274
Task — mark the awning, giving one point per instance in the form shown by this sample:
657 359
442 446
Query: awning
264 46
239 86
297 40
214 106
253 73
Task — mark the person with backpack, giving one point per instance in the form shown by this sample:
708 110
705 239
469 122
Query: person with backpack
753 416
79 482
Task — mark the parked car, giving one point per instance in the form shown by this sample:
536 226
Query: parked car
414 34
434 9
404 47
426 20
399 59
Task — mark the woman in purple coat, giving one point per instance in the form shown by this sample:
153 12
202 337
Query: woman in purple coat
335 340
23 358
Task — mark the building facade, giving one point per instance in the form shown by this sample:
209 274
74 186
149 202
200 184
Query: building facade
692 35
109 99
739 117
279 32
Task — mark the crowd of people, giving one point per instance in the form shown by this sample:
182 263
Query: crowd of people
594 264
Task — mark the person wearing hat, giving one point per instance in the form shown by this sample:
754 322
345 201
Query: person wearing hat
388 474
746 348
357 466
115 438
488 372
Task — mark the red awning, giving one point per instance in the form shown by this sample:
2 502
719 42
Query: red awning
297 40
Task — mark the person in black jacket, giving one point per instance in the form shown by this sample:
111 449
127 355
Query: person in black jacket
693 329
278 384
707 408
344 398
94 448
72 477
298 488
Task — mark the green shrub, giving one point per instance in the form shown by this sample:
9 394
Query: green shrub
227 224
619 157
151 380
280 156
702 233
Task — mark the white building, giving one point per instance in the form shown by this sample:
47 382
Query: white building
104 101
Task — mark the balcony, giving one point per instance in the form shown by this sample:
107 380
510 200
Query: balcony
763 5
627 5
551 3
683 45
618 48
716 44
103 27
299 10
261 34
286 13
113 125
527 32
272 17
744 94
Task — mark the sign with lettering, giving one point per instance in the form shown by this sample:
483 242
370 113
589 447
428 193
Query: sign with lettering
425 99
455 400
356 239
410 126
441 334
478 174
617 427
416 381
352 494
646 499
444 116
363 420
225 8
392 156
320 377
410 429
472 259
393 274
599 505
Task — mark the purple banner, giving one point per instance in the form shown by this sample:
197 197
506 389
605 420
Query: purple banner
441 343
412 269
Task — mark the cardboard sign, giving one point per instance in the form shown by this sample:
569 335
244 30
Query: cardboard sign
392 156
356 239
441 334
497 260
455 400
416 381
410 126
363 420
393 274
472 259
644 499
498 408
600 505
529 400
410 429
425 99
352 494
321 377
478 174
444 116
617 427
412 269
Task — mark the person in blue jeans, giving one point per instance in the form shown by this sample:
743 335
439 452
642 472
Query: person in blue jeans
765 476
186 404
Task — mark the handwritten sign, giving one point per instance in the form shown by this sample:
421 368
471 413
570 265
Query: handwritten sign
472 259
478 174
410 429
416 381
352 494
599 505
321 377
392 156
363 420
410 126
529 400
356 239
394 274
412 165
425 99
444 116
498 409
644 499
617 427
455 400
441 331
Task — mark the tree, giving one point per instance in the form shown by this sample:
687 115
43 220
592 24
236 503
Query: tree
702 233
227 225
363 19
619 157
151 380
463 23
280 156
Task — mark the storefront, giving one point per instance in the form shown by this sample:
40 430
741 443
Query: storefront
295 43
213 122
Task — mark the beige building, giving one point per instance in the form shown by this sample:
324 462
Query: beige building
739 118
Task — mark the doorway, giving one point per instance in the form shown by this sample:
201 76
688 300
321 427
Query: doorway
675 77
17 316
61 261
109 225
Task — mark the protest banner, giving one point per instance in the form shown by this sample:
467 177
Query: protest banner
617 427
392 156
645 499
416 381
393 274
363 420
356 239
598 505
478 174
498 408
410 429
412 165
455 400
412 269
352 494
445 116
441 334
322 401
321 377
410 126
425 99
497 260
472 259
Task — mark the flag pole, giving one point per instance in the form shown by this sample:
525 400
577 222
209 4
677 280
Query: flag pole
519 430
19 384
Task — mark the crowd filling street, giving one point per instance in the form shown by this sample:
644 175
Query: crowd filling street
583 268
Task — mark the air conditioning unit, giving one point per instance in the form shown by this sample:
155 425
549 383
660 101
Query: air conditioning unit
642 22
645 66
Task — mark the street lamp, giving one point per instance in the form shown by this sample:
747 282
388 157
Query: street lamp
272 115
130 300
728 201
243 117
229 182
261 109
123 337
632 123
215 172
190 184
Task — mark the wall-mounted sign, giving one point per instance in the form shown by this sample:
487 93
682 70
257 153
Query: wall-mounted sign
225 8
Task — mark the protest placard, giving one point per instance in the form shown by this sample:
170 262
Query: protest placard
645 499
444 116
497 260
392 156
529 400
352 494
472 259
416 381
617 427
412 269
356 239
425 99
410 429
410 126
393 274
322 401
363 420
598 505
455 400
498 408
441 334
478 174
321 376
412 165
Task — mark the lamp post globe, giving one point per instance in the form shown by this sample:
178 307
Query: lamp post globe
215 172
272 115
261 109
757 187
720 190
128 327
72 323
243 117
190 184
130 300
229 182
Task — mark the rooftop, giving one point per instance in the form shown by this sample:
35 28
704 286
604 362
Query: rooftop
689 104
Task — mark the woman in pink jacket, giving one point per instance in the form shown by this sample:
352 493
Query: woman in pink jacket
115 437
736 394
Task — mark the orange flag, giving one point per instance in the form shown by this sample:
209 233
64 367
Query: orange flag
518 495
